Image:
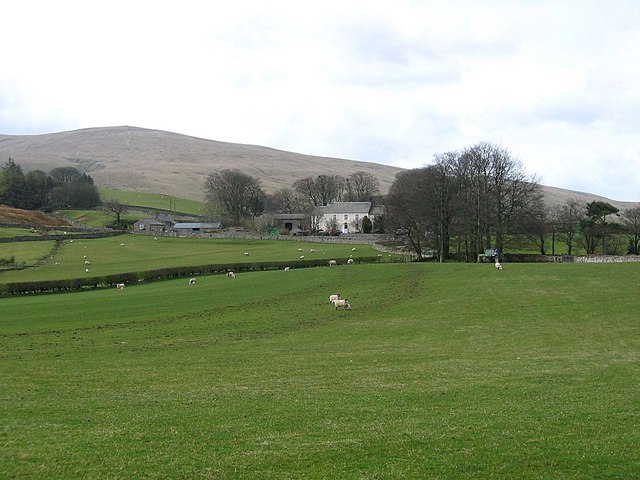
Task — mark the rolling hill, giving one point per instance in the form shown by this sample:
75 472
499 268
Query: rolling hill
155 161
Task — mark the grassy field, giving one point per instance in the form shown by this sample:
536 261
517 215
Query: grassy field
96 218
154 200
28 253
140 252
438 371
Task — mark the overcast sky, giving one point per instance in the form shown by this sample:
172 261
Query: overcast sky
555 82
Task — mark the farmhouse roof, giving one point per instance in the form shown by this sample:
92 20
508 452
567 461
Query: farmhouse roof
347 207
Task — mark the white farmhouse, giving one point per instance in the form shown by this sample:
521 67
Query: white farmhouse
345 216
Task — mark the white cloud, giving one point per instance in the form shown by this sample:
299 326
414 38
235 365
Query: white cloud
554 82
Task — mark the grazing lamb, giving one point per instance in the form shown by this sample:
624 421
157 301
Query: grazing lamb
286 269
332 263
231 275
350 261
342 303
333 298
299 249
498 266
301 257
86 270
120 286
192 281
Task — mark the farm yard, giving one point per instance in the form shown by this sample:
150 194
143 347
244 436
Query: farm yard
437 371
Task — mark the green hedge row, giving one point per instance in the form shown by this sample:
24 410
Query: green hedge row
107 281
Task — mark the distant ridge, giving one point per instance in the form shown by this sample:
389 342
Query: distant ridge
156 161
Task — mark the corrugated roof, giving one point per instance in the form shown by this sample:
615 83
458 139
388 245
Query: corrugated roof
186 225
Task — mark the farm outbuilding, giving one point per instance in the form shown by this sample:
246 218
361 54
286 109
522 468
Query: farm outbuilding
150 226
294 223
195 228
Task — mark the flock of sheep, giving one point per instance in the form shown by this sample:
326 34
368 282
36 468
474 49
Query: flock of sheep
333 299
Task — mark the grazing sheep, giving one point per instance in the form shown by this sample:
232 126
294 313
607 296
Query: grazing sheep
122 244
350 261
299 249
155 238
86 270
192 281
286 269
301 257
120 286
231 275
86 262
498 266
344 304
84 256
353 249
333 298
332 263
312 250
246 254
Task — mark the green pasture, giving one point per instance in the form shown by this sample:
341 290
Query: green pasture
96 218
154 200
28 253
450 371
108 256
10 232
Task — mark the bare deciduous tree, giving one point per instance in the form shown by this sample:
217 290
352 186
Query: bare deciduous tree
361 187
234 194
322 190
631 221
114 206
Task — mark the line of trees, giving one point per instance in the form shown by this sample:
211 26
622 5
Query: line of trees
60 187
475 198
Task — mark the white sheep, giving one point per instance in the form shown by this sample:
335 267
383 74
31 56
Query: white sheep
120 286
231 275
155 238
350 261
246 254
353 249
86 262
299 249
332 263
342 303
312 250
122 244
84 256
498 266
286 269
86 270
333 298
301 257
192 281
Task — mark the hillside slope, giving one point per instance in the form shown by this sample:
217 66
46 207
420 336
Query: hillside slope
155 161
138 159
